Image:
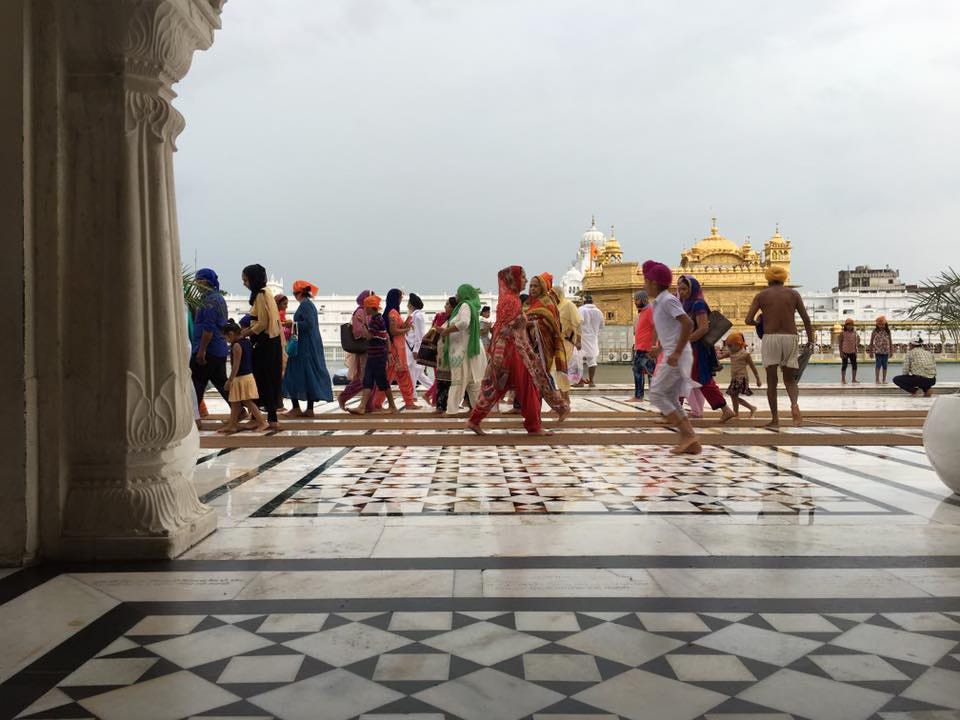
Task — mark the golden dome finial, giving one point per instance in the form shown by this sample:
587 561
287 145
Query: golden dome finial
714 230
593 220
777 231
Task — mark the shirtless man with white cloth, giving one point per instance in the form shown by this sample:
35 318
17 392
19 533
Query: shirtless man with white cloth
591 323
779 345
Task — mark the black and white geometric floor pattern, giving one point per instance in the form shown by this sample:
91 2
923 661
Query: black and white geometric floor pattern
521 665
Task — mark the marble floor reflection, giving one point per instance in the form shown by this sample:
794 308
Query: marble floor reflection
519 583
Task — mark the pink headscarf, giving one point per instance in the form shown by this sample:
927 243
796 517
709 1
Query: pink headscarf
658 273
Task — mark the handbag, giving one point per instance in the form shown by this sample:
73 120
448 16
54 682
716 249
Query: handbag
427 354
293 344
350 344
718 325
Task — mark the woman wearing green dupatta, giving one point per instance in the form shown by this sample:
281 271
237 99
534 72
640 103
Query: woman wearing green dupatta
463 352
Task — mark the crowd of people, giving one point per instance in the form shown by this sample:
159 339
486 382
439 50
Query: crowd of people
534 352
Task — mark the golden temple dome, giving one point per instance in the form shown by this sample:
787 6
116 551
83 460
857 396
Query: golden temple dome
715 243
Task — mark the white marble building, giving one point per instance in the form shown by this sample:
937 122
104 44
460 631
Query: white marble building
572 280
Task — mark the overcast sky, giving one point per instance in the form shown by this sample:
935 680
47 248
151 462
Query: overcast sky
426 143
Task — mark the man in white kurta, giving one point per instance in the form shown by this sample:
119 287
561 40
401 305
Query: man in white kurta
418 324
591 323
466 373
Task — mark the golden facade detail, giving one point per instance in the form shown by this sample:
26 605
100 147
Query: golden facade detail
730 274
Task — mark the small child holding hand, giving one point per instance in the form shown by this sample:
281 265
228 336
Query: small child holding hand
241 387
740 360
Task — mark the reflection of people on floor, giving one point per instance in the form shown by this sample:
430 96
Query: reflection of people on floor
673 376
919 373
514 363
779 347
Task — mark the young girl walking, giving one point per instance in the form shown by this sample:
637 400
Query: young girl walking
241 387
740 360
375 371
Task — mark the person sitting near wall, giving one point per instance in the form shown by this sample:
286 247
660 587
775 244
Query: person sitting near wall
919 372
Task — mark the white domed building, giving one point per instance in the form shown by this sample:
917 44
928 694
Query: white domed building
572 280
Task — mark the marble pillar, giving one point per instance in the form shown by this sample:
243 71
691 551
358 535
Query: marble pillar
116 433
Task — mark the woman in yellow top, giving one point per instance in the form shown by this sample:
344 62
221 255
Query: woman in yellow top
267 336
570 327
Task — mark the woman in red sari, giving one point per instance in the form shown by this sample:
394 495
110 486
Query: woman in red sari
514 362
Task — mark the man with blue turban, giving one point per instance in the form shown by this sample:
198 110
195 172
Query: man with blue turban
209 350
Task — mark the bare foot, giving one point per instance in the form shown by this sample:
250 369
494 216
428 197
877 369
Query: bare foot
270 426
247 426
308 414
541 431
262 427
295 413
593 384
727 415
685 445
412 406
393 410
664 421
634 400
693 449
229 429
564 414
356 411
774 423
795 414
753 411
476 428
927 393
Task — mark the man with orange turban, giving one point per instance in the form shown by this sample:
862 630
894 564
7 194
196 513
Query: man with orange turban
779 347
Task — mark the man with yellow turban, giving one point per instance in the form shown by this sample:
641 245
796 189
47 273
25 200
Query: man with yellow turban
778 305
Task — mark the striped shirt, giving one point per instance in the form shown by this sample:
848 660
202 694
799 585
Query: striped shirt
378 336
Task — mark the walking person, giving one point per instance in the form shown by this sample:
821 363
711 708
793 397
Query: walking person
919 373
486 325
398 329
462 350
705 361
779 347
591 323
307 378
673 377
880 347
644 340
548 334
740 359
208 348
356 362
570 327
378 350
440 392
418 328
514 363
241 386
849 348
266 335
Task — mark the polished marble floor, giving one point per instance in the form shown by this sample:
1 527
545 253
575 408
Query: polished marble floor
519 583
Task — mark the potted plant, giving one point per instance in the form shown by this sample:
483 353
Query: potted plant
938 301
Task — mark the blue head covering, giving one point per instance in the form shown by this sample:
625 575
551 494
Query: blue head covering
393 302
209 277
245 321
695 304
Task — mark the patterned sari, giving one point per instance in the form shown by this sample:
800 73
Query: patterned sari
547 316
511 352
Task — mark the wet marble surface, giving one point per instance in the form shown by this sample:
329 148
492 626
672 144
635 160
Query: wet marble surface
554 583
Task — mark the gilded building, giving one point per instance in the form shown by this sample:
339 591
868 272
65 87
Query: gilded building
730 274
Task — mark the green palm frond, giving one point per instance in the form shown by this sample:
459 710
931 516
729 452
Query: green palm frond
192 292
938 301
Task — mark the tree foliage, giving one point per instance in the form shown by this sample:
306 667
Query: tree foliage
192 292
938 301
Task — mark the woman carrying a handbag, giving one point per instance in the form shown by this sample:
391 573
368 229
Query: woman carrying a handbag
705 362
353 337
307 378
